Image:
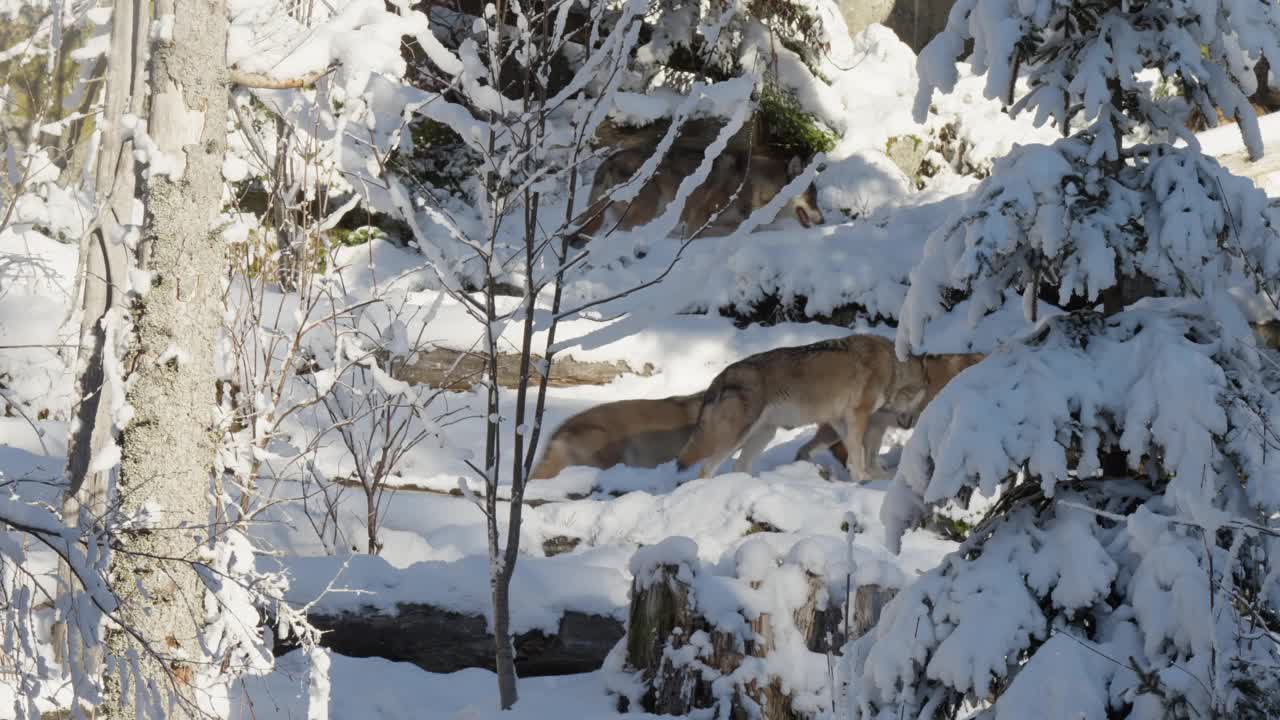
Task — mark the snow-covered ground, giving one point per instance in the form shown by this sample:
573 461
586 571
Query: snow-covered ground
377 689
434 543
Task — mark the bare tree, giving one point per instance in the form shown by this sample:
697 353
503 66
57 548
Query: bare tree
530 139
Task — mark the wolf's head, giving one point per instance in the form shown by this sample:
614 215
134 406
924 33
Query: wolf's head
804 205
940 369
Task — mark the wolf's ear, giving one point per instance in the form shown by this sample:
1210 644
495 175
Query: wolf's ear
794 168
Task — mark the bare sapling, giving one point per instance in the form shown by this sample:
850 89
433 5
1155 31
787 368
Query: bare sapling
532 140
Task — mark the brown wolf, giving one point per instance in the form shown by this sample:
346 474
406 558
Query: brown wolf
938 369
636 433
736 186
855 384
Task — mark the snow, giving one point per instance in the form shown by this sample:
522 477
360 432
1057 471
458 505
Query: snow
676 551
621 538
379 689
748 545
1062 680
589 583
35 288
1014 408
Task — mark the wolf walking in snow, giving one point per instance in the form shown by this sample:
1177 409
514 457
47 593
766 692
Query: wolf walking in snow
737 185
636 433
855 384
939 370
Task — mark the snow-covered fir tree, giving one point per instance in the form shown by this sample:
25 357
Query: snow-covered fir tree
1087 594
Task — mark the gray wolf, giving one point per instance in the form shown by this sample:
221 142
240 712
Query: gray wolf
855 384
637 433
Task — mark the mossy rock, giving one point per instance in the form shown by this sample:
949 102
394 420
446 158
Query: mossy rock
908 153
357 236
779 124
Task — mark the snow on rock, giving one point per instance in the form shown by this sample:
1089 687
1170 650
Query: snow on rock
877 85
621 538
722 512
866 263
860 184
546 587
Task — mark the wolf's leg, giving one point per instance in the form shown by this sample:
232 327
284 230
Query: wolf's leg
856 421
757 440
825 438
871 440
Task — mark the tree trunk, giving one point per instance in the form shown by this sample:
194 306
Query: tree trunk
100 275
371 518
168 448
504 655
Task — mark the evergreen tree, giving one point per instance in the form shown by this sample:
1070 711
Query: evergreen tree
1146 593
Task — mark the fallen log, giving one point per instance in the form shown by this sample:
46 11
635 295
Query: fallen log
442 641
459 371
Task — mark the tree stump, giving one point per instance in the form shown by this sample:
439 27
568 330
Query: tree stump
686 662
868 603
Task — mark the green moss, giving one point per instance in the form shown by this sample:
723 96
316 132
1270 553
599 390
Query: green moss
787 125
358 236
650 623
1166 89
896 140
950 528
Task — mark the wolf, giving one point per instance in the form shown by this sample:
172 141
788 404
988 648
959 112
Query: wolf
854 384
938 369
636 433
828 438
737 185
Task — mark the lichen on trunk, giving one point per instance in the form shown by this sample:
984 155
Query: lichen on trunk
168 447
